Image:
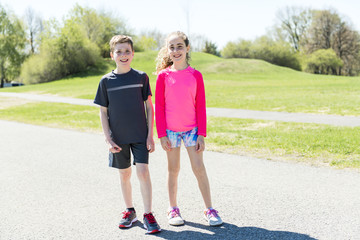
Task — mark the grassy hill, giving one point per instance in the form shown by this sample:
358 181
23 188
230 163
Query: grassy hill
235 83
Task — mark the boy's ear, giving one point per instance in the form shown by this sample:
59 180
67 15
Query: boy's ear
111 55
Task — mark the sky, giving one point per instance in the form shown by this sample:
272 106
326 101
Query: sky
220 21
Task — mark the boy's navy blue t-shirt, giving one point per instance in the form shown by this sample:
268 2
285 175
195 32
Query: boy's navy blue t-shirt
124 96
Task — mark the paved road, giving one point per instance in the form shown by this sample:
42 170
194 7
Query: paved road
55 184
335 120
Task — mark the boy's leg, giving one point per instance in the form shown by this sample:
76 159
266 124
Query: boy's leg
173 172
125 176
198 167
142 170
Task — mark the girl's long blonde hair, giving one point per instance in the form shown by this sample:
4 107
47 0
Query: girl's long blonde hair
163 60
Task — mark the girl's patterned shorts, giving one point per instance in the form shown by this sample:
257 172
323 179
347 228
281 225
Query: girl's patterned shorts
188 137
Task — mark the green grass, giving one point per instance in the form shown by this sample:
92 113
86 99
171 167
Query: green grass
310 143
61 115
235 83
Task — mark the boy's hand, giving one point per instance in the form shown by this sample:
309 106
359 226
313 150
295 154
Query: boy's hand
113 147
150 144
200 144
165 143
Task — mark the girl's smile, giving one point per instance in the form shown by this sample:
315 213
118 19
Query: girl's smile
177 50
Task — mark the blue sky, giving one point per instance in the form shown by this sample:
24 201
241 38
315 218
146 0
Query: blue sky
219 21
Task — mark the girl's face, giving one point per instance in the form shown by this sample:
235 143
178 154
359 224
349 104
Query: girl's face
177 49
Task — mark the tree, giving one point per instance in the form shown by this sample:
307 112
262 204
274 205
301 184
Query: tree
346 44
34 25
149 40
62 53
323 61
197 42
144 43
100 27
240 49
322 29
12 43
211 48
328 30
294 22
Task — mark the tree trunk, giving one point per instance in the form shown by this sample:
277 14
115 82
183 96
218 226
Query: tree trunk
2 74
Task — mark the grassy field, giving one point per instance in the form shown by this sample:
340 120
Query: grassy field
309 143
230 83
236 83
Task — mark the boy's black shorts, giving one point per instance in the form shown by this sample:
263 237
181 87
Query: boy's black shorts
122 159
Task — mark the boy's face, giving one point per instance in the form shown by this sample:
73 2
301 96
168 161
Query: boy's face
122 54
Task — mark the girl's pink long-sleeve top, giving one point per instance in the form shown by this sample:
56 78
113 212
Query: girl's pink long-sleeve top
180 101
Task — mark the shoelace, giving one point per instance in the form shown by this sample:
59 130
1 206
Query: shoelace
175 212
150 218
126 214
212 213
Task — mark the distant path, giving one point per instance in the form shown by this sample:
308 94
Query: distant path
55 184
220 112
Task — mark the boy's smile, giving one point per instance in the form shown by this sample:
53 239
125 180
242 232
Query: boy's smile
122 55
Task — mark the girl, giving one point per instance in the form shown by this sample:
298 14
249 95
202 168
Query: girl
181 114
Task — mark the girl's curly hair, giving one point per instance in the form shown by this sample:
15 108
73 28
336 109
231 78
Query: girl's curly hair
163 60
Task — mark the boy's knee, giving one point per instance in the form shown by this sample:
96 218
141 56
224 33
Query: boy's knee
143 172
125 175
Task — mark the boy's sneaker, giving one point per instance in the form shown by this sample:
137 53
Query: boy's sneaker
128 218
150 223
174 217
211 215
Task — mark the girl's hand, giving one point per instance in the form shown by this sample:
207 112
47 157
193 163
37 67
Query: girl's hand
165 143
200 144
150 144
113 147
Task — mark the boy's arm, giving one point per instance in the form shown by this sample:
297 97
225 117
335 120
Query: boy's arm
113 147
150 117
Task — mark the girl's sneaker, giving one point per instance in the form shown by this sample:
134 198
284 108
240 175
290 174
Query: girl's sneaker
128 218
211 215
174 217
150 224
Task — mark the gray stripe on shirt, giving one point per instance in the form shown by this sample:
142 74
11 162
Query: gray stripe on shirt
124 87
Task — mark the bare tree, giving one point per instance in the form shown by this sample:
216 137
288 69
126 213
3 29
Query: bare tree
294 21
35 26
346 44
324 25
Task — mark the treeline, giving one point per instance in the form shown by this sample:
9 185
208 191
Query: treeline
315 41
33 50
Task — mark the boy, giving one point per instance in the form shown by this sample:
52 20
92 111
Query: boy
121 95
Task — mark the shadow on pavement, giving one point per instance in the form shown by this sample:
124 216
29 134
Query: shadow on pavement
230 231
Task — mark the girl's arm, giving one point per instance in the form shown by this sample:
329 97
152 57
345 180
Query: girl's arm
113 147
160 106
150 117
200 105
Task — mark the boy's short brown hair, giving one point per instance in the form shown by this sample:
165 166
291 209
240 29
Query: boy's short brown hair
120 39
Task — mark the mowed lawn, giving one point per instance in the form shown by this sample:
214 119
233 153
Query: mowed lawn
230 83
235 83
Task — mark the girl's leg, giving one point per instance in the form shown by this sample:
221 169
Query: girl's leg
198 167
143 174
173 173
125 176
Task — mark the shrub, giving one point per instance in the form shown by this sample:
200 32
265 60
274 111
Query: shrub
323 61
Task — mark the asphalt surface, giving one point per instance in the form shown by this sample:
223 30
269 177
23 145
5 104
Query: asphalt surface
335 120
55 184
